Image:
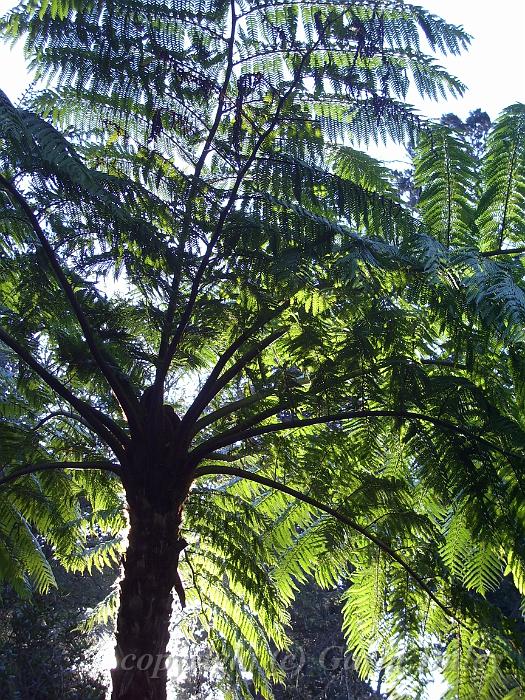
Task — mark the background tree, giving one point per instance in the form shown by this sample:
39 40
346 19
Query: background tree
318 666
43 656
474 129
218 317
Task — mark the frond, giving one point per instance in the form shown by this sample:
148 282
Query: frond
501 209
445 172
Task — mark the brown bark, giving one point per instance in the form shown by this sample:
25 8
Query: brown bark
156 479
150 575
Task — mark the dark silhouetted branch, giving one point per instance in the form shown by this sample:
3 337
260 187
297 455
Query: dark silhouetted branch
231 437
103 426
51 466
125 397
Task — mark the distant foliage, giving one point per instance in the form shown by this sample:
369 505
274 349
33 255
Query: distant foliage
42 655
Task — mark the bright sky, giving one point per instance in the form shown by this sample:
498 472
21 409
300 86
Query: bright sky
493 69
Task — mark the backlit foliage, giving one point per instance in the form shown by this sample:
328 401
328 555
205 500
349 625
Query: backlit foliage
196 169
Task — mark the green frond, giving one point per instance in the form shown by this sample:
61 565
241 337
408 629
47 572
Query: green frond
362 613
501 208
357 166
102 613
445 172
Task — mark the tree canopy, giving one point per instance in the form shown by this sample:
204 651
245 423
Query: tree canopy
223 329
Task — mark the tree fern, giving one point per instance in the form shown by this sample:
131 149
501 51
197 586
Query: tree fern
224 331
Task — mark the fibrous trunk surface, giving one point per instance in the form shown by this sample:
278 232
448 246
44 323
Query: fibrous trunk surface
150 574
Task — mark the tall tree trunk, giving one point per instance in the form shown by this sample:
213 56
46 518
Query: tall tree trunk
150 575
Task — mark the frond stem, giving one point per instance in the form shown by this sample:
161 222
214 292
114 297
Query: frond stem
214 384
230 408
60 414
503 251
508 194
125 397
271 483
50 466
186 315
167 349
231 438
103 426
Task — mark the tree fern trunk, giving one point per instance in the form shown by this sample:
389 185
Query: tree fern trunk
150 575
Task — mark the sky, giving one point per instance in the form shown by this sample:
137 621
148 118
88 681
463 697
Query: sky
493 69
